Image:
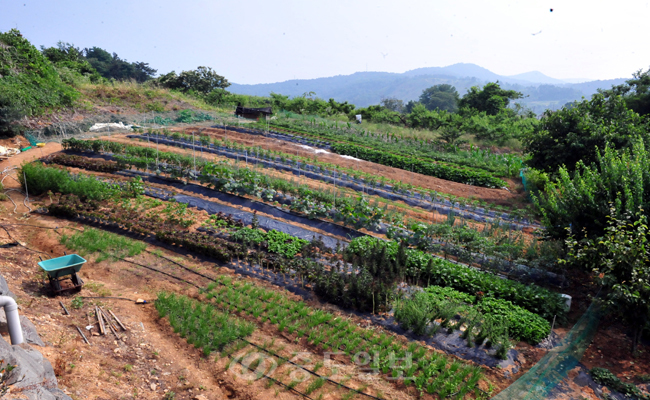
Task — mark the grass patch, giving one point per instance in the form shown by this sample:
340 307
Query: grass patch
110 245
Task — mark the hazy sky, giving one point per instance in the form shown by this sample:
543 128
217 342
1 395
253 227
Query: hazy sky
270 41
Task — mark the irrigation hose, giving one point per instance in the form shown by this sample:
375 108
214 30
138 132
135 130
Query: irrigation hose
273 379
310 371
17 241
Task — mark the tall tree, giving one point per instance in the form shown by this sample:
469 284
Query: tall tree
113 67
202 80
393 104
491 99
635 92
440 97
574 134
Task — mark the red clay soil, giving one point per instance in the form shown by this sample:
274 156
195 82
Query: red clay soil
496 196
612 349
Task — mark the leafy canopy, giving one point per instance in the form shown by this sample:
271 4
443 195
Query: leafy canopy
575 133
635 92
440 97
491 99
202 80
113 67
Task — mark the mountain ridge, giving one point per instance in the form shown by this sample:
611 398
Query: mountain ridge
367 88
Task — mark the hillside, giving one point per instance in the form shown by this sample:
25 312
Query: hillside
367 88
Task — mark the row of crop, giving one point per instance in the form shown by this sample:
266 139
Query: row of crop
486 319
200 324
371 180
450 173
314 202
130 217
429 371
83 162
501 164
387 257
469 245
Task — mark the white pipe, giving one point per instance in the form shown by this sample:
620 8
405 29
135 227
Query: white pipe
13 321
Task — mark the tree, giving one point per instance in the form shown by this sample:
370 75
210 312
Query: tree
620 260
113 67
635 92
440 97
491 99
202 80
574 134
66 55
393 104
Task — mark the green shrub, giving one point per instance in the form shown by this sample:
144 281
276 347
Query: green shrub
29 83
605 377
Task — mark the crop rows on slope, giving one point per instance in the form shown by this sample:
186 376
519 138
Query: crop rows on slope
361 214
450 172
438 170
363 182
428 371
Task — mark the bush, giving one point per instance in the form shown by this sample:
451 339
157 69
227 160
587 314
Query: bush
29 83
581 201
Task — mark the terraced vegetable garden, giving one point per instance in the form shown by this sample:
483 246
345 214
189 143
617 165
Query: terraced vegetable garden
416 283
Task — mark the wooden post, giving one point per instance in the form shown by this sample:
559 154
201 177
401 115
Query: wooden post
98 313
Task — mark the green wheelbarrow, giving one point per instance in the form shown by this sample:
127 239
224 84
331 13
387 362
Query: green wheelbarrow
61 269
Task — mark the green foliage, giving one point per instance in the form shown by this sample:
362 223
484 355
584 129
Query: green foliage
202 80
635 92
378 114
620 261
440 97
276 241
605 377
520 323
41 179
502 164
491 99
484 317
308 103
573 134
437 169
110 245
393 259
200 324
582 201
68 56
29 83
113 67
77 302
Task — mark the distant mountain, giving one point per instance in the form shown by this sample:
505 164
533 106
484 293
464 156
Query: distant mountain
537 77
366 88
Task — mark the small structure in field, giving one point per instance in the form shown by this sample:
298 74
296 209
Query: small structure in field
253 113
